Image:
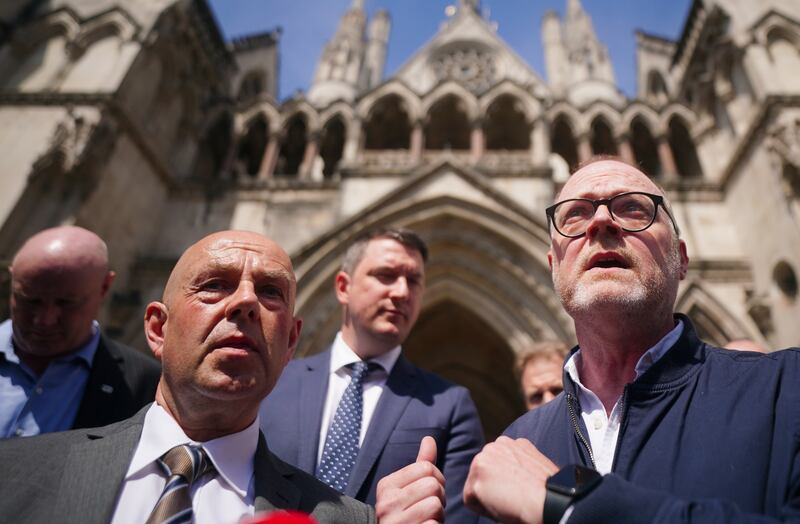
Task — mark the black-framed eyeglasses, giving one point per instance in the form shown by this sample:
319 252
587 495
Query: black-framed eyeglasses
634 211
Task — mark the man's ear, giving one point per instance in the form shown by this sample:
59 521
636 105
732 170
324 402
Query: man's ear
550 259
294 337
107 281
342 286
684 259
155 327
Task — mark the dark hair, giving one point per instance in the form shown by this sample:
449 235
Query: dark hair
406 237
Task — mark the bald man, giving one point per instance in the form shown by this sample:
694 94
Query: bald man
57 371
223 331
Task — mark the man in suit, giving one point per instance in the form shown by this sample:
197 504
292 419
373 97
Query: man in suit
57 371
223 332
380 287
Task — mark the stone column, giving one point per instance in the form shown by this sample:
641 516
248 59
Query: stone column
584 147
477 141
625 149
540 142
270 157
352 143
417 142
668 166
312 148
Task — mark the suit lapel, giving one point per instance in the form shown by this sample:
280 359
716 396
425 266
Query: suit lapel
94 472
313 389
104 387
273 489
396 395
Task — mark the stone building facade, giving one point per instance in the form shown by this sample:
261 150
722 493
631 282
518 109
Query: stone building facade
136 120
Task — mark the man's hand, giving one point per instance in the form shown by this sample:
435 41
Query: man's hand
506 481
414 494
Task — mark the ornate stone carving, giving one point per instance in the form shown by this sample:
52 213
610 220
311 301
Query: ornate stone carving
472 68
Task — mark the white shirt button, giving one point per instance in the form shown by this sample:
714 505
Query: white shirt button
598 422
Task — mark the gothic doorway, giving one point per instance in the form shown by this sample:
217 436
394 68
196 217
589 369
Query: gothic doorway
454 342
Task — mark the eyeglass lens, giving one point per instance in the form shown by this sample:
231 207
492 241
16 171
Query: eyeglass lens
632 212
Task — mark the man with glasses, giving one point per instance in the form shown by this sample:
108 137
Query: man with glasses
654 425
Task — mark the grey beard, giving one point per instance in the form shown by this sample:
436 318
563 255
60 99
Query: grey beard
643 297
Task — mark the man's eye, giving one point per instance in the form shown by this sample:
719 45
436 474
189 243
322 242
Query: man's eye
213 285
271 292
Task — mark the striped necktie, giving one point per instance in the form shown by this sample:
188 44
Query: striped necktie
183 464
341 444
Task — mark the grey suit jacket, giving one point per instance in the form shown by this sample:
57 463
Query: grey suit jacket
75 477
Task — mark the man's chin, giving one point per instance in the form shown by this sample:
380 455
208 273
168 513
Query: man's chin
607 294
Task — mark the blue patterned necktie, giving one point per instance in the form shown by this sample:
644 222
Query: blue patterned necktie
183 464
341 444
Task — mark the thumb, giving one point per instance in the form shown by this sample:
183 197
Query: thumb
427 450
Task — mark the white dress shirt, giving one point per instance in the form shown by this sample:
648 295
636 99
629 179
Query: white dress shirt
223 497
604 430
339 379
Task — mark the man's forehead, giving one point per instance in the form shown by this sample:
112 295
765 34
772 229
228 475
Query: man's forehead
606 178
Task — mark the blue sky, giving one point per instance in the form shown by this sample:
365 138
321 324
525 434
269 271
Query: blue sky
308 24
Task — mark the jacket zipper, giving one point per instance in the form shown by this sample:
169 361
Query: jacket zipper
622 423
570 400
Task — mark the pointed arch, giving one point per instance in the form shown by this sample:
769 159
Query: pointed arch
410 102
388 124
529 104
331 148
448 124
602 138
505 124
294 140
452 89
563 141
683 148
714 323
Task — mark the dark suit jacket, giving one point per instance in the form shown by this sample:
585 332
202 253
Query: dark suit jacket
121 381
75 477
414 403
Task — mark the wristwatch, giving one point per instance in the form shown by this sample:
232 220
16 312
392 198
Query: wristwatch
565 487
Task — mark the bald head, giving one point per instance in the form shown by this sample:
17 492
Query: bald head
59 278
216 248
224 331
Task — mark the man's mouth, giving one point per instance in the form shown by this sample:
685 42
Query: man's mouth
607 261
236 342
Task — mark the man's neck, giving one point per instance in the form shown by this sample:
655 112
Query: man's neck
363 344
611 348
205 421
38 363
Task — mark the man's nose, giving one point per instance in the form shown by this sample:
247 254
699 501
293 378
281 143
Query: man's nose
47 315
243 302
602 222
400 288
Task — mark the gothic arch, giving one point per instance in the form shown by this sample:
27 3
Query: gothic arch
267 110
656 92
602 137
252 144
448 124
506 125
578 125
563 141
292 108
645 147
530 105
331 146
388 124
115 22
453 89
672 110
684 151
294 139
604 111
409 98
713 321
638 110
341 109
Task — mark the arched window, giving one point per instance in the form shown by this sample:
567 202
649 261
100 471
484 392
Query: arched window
563 143
332 145
448 126
293 146
602 139
388 126
645 148
505 126
656 88
683 150
252 145
253 84
40 65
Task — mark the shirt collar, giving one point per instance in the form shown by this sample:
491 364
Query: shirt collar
232 454
342 355
649 358
85 352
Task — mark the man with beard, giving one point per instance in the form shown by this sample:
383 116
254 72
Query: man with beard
654 425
